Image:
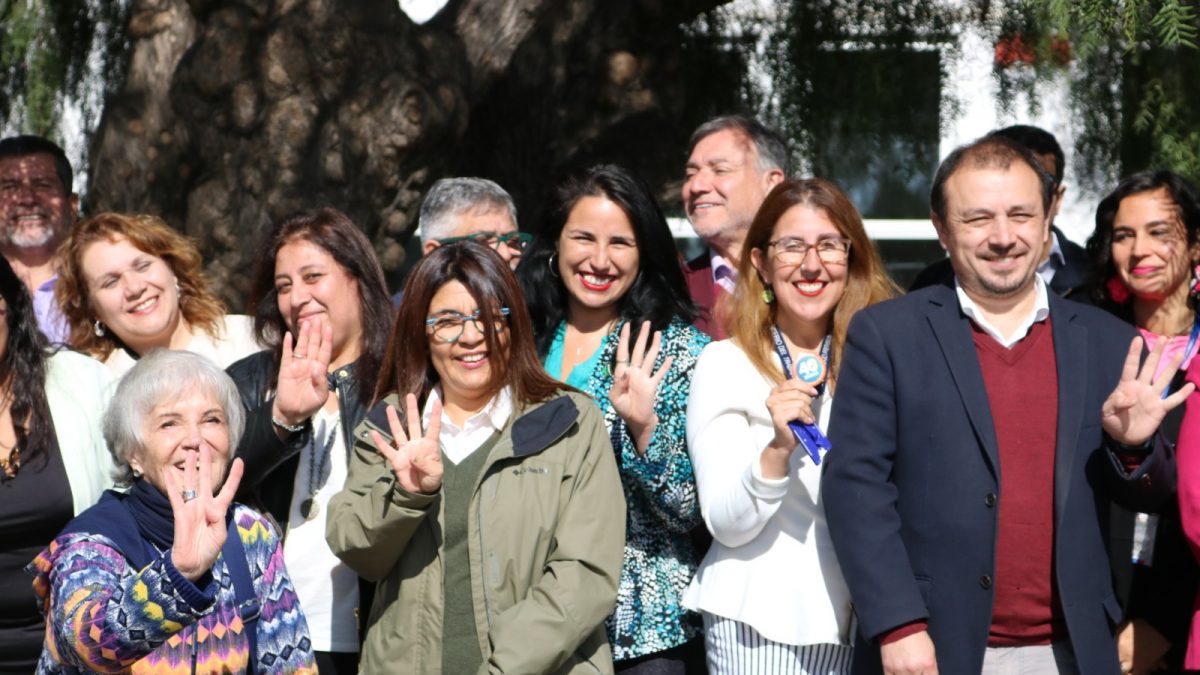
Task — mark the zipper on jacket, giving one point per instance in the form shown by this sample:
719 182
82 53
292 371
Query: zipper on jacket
490 572
483 551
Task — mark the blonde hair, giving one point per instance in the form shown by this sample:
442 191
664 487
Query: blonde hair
149 234
748 319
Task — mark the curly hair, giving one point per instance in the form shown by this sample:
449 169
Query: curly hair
23 368
149 234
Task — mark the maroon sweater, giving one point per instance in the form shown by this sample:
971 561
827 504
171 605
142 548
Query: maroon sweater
1022 389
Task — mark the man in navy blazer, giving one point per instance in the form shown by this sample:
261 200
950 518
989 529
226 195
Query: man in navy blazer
979 429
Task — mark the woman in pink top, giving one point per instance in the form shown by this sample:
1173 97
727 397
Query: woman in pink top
1143 253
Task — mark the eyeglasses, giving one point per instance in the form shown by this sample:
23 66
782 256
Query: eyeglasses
448 327
791 250
517 241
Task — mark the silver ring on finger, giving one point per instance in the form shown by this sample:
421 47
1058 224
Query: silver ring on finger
189 495
297 356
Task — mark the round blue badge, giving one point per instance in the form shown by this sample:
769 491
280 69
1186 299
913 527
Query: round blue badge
810 368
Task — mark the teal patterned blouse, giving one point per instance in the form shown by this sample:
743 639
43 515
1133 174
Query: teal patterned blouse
660 490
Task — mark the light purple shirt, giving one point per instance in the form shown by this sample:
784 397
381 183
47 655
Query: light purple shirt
724 274
49 317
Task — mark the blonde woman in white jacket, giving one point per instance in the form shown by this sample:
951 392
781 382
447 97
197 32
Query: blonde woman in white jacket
770 590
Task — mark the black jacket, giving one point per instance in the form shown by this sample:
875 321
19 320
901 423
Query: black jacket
271 463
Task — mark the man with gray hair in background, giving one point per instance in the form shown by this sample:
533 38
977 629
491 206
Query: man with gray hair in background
472 208
733 162
456 209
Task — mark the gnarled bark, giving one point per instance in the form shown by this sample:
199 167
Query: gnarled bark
236 113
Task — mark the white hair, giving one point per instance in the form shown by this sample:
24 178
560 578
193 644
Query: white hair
159 377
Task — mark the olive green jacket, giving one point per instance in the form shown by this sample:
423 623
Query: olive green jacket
547 534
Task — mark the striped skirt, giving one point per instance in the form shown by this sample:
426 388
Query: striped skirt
734 648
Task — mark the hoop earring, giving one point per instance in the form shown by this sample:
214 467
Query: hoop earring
553 267
98 328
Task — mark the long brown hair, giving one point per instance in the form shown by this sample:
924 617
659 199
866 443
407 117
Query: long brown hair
748 319
407 367
334 232
149 234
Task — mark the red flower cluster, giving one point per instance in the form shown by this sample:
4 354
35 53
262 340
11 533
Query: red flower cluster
1013 49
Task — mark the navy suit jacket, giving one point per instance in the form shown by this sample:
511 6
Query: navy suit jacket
911 486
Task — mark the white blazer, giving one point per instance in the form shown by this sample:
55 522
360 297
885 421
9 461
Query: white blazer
772 565
78 389
236 341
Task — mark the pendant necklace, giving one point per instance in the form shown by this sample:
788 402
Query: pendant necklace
11 464
309 507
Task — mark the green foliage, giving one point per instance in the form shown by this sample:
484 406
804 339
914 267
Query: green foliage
857 86
1135 88
52 51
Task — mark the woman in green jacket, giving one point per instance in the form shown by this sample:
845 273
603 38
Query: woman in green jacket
486 503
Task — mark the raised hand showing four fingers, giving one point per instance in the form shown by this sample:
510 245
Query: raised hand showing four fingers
200 528
302 387
416 459
1134 410
635 383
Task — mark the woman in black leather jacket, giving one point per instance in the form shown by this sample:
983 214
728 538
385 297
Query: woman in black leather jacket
324 315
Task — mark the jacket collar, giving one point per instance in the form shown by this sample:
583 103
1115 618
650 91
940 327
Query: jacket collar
531 430
539 428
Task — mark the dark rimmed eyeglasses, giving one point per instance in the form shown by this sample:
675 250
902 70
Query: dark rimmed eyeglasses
448 327
517 241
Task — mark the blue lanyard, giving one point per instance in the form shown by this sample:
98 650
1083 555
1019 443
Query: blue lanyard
1187 351
808 435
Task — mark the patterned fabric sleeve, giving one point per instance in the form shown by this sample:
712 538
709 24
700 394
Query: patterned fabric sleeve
105 615
663 476
283 639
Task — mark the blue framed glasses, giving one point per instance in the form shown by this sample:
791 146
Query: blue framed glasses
448 327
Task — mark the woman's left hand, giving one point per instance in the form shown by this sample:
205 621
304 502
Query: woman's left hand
200 528
635 384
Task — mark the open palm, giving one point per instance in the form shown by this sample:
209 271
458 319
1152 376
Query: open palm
302 386
416 459
200 529
635 383
1135 409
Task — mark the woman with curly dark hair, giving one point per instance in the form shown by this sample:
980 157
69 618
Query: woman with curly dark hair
53 460
1142 261
323 313
612 316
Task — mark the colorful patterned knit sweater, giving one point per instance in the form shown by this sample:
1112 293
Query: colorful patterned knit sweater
660 489
105 616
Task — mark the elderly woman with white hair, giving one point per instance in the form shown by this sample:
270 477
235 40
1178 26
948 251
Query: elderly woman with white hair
171 577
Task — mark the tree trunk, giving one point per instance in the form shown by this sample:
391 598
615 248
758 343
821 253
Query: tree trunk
237 113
